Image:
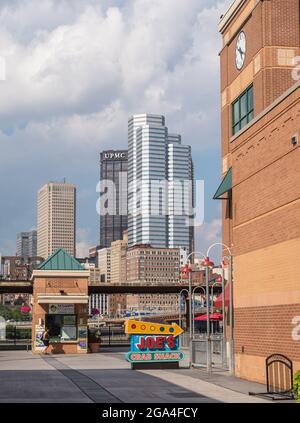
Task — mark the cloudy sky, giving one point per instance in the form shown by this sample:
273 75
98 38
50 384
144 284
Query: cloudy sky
76 70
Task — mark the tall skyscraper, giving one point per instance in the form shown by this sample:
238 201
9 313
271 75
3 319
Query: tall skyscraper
113 196
160 185
56 219
27 244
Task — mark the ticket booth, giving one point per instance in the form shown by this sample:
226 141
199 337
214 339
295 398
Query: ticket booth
60 304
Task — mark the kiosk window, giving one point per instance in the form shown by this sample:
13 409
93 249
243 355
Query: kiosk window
61 327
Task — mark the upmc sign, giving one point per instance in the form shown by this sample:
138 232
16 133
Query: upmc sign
114 155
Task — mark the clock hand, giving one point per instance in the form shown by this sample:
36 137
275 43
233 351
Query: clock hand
241 51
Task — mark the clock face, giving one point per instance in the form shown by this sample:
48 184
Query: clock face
240 52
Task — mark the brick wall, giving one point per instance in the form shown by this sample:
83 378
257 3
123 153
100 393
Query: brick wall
265 229
266 330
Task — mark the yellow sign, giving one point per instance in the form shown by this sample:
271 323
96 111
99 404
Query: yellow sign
136 327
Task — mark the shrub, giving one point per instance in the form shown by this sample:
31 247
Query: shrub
297 386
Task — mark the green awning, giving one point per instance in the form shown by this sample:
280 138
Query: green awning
225 185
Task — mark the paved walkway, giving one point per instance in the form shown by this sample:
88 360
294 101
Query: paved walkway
108 378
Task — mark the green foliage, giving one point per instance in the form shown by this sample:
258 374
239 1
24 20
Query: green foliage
297 386
13 313
12 332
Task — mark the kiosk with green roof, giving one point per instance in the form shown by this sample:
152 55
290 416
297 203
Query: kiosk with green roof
60 304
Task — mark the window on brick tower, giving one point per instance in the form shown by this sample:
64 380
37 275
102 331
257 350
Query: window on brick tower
242 110
229 205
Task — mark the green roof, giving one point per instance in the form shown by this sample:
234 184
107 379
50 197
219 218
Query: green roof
225 185
61 260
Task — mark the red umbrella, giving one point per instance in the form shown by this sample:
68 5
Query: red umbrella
213 316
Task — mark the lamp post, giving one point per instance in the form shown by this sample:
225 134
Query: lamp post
207 263
180 295
217 282
224 361
193 304
187 270
231 340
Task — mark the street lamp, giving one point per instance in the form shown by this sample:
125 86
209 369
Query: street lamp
187 271
224 352
231 341
207 263
179 305
193 305
218 281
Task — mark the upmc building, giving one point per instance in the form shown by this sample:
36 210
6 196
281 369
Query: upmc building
113 167
260 112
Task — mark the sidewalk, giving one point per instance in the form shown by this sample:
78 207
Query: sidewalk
107 378
210 388
232 389
219 386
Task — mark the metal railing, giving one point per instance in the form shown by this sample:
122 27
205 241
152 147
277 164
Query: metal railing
16 337
199 351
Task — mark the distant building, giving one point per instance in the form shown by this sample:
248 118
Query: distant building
27 244
118 262
56 219
147 265
97 302
118 257
18 268
160 185
104 265
113 168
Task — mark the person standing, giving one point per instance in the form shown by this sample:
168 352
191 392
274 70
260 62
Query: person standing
46 340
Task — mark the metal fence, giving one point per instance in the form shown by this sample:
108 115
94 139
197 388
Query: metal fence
16 337
111 335
217 351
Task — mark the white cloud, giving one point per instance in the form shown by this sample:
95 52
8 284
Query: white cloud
76 71
158 56
208 234
83 243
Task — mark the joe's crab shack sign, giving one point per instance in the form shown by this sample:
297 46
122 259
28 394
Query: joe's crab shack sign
153 343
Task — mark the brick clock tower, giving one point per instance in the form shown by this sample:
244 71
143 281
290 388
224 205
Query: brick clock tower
260 115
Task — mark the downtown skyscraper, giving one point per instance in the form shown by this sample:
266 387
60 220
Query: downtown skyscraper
160 185
56 219
113 196
27 244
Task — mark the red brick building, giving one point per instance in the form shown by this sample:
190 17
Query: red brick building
260 114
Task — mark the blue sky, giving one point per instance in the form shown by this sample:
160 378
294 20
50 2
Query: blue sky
75 72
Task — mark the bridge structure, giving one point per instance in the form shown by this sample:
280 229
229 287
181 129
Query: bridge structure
26 287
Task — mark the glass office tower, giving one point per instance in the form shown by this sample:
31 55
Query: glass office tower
113 196
160 181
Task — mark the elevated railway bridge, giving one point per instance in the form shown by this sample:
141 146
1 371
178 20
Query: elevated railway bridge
26 287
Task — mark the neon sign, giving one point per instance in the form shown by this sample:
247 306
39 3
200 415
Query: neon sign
160 345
